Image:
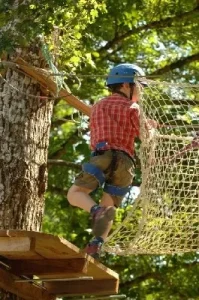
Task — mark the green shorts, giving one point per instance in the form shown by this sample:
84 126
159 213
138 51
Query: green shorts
121 176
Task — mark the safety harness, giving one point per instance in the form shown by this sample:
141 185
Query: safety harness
99 174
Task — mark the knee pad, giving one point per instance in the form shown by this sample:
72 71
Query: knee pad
94 171
116 190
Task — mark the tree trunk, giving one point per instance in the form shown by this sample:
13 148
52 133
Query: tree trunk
24 136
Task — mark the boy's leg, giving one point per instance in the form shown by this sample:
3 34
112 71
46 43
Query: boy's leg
79 196
122 177
102 215
103 218
102 222
106 200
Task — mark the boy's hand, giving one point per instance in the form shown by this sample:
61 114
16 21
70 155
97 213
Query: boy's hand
150 128
151 124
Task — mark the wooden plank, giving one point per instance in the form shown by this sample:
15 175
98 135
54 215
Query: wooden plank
57 267
18 248
53 247
44 78
57 248
47 82
100 271
94 269
15 244
24 290
57 251
45 245
83 287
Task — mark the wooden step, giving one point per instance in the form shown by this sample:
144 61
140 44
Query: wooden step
50 266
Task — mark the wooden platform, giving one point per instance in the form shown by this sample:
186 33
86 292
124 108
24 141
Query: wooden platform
36 265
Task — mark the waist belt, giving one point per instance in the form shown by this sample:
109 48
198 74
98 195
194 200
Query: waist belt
101 152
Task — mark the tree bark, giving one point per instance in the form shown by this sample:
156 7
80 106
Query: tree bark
24 137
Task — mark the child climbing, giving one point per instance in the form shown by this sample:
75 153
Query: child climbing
114 125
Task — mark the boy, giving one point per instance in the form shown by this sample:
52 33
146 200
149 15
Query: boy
114 125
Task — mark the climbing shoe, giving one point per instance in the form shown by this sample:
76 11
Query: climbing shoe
101 219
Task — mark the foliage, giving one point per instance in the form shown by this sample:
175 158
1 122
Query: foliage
61 23
86 37
161 36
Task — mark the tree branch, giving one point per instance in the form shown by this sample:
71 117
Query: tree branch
57 190
60 162
156 276
177 64
162 277
155 24
61 151
140 279
67 118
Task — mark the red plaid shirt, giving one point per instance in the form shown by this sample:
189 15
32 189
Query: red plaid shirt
115 120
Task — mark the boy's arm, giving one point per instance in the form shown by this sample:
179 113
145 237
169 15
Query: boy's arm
135 118
149 124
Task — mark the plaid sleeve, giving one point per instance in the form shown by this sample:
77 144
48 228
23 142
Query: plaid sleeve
135 120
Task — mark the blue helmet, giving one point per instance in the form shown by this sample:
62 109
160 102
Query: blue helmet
125 73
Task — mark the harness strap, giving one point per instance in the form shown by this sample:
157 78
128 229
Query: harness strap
99 174
113 165
101 145
95 171
116 190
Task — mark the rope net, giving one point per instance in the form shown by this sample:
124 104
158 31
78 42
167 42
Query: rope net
164 219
